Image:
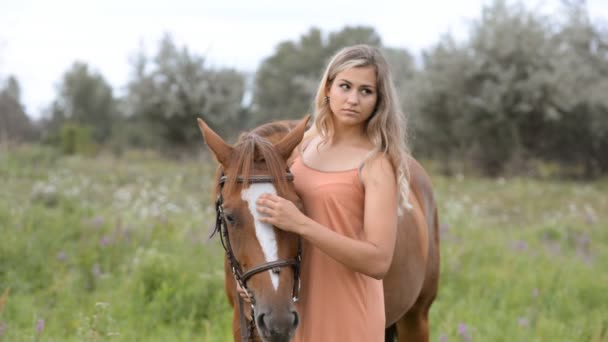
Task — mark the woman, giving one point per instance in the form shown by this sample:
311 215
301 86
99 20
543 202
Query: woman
352 177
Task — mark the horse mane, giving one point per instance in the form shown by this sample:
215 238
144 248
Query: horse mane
256 148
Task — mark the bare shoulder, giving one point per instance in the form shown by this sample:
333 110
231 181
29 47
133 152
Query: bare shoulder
308 136
378 172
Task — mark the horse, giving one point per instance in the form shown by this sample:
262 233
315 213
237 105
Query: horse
264 261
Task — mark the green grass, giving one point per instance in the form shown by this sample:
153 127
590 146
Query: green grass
116 249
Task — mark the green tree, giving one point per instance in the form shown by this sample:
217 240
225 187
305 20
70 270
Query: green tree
438 100
579 134
14 122
499 102
84 98
490 98
168 92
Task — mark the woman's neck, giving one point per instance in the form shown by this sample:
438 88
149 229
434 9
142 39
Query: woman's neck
352 135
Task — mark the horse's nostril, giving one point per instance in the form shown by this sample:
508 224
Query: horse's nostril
296 319
261 323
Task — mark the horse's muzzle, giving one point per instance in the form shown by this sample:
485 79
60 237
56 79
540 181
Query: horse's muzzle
277 325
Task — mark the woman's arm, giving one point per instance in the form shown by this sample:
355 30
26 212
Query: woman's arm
372 255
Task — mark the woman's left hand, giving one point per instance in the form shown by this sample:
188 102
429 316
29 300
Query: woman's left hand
280 213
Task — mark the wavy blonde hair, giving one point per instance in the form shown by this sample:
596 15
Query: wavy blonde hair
386 127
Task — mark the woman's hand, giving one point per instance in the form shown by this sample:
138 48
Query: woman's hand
281 213
240 292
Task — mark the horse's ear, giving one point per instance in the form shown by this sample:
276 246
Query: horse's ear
216 144
292 139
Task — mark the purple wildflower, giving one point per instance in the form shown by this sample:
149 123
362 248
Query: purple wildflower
519 245
105 241
443 338
96 222
40 326
523 322
61 256
463 332
2 328
96 270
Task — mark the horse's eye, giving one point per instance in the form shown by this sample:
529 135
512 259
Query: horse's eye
230 219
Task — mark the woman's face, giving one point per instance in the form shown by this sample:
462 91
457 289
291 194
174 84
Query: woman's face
353 95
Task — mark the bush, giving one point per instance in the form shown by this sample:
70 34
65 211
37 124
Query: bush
76 139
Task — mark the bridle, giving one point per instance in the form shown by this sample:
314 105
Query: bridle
240 276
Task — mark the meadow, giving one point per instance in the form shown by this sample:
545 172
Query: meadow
108 248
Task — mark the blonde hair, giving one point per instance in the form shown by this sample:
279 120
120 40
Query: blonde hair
386 128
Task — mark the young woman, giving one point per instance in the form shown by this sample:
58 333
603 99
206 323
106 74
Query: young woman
352 177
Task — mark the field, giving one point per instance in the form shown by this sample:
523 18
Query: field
110 248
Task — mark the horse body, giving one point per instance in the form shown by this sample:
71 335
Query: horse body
410 285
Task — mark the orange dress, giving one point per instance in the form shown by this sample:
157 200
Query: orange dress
336 304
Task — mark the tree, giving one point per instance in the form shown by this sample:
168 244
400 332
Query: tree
489 98
522 87
14 122
168 92
579 136
438 102
84 98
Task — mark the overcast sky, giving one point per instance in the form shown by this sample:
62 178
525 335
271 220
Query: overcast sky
39 40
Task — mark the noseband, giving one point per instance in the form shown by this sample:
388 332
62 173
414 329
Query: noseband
241 277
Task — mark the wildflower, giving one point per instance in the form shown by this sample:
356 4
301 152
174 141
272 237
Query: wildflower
105 241
96 270
40 326
61 256
523 322
519 245
96 222
463 332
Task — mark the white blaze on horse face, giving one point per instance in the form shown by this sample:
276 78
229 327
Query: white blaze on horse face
263 231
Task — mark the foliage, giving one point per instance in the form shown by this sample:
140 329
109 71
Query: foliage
14 122
86 99
121 253
169 91
114 248
580 135
75 139
496 101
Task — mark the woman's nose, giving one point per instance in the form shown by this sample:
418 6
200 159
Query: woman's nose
353 98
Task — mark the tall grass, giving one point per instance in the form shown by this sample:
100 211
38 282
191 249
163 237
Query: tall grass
116 249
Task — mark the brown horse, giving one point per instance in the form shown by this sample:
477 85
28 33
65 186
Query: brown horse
412 281
264 254
263 260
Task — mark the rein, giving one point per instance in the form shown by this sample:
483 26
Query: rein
241 277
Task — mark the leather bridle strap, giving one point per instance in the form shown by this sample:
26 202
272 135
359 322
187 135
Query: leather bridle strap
256 179
274 265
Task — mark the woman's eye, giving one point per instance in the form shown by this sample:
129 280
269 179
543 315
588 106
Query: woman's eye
344 86
367 91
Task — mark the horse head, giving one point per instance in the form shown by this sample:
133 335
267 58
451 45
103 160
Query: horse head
262 259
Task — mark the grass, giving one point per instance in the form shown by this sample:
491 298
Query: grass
116 249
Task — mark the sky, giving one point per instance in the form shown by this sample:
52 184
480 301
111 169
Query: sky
40 40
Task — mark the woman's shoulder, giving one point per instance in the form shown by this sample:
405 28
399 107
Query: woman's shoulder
378 168
297 151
